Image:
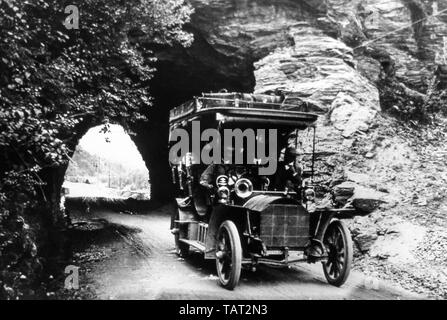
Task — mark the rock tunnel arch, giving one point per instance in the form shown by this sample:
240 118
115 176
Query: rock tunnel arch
222 56
257 45
172 84
229 38
181 74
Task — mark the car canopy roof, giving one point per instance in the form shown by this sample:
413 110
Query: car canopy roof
241 109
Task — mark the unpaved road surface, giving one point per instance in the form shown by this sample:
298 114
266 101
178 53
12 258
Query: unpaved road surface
154 271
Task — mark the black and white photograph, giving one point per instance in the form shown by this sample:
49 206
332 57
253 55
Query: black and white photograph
240 151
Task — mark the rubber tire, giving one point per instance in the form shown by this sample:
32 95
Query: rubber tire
236 255
347 242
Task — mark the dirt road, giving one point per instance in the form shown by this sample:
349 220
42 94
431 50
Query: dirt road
145 266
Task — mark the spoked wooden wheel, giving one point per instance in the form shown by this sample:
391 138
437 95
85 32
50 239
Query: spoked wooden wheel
228 255
338 243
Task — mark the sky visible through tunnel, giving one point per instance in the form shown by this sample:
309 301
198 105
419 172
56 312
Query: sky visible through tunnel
120 147
106 165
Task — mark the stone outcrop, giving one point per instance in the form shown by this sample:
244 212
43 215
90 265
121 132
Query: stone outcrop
329 52
317 68
333 53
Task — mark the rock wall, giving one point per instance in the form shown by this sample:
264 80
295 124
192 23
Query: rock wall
320 69
329 52
333 53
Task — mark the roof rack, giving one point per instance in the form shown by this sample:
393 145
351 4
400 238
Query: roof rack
235 101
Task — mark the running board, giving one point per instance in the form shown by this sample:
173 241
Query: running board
194 243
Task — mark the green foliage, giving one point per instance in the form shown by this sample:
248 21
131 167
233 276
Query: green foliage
54 80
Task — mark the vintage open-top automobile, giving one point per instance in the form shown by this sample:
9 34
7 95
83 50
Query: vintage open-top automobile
247 218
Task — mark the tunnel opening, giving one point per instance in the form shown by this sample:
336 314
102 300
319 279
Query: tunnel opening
183 73
106 170
223 54
186 72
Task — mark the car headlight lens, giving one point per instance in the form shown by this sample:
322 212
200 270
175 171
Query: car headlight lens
243 188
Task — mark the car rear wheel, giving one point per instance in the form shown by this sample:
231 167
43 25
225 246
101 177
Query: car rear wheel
338 243
228 255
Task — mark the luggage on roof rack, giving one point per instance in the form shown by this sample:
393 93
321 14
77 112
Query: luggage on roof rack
227 107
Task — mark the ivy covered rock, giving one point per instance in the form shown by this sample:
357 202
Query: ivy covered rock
55 83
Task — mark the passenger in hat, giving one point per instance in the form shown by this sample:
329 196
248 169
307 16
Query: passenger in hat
288 174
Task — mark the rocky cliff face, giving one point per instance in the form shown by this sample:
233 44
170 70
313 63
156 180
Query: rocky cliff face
342 56
336 54
333 53
329 52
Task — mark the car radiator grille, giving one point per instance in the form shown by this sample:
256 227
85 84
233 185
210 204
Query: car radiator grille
284 226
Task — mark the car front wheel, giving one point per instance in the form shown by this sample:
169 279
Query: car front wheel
228 255
338 243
